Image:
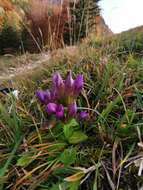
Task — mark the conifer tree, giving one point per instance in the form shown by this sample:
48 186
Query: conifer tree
83 15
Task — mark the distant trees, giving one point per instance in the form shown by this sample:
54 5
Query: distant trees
9 28
56 22
9 39
49 23
83 19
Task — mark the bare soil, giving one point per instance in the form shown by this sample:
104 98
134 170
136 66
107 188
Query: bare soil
21 69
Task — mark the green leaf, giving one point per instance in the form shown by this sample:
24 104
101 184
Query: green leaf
68 157
69 128
74 185
68 131
75 177
73 123
65 186
77 137
25 160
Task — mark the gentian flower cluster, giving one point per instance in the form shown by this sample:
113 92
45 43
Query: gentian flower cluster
60 100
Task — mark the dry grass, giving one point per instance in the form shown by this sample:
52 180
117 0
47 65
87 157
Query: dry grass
9 15
47 22
6 4
115 100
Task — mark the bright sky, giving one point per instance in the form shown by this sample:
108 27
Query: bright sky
121 15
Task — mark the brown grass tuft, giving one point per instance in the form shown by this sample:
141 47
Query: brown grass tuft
47 21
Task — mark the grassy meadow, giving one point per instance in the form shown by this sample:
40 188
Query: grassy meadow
103 149
39 152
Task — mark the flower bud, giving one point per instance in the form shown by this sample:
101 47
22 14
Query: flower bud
60 111
69 84
78 84
58 85
83 115
43 96
72 109
57 80
51 108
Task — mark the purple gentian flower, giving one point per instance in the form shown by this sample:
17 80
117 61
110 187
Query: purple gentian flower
56 109
54 93
65 91
57 80
78 84
58 85
43 96
51 108
60 111
83 115
72 109
69 84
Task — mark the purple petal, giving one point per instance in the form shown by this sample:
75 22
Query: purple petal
58 86
69 83
72 109
60 111
78 84
54 93
40 95
43 96
57 80
83 115
47 96
51 108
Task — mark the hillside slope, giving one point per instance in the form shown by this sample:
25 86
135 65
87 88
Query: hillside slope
44 144
102 29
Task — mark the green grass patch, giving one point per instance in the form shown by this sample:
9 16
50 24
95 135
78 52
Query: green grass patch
102 153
